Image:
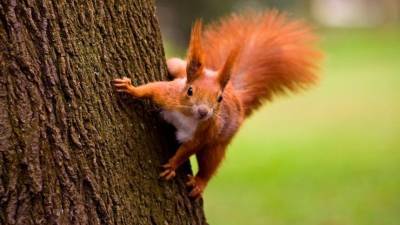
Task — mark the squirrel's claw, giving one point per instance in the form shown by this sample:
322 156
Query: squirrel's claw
197 186
122 85
168 173
196 193
123 80
191 182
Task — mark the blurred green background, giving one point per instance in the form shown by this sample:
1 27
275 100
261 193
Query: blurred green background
330 155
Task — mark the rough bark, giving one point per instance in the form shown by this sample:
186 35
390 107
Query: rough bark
72 151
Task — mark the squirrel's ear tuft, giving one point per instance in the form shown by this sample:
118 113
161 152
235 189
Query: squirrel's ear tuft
195 56
226 71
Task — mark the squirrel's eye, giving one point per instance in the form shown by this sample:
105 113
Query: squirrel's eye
190 91
219 99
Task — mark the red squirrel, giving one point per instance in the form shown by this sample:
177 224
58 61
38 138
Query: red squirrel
232 67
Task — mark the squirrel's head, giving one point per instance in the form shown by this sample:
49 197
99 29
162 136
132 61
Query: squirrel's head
204 88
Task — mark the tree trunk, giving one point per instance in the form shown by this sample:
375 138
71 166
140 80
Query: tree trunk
72 151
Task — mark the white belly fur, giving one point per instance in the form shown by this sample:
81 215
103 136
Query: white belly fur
185 125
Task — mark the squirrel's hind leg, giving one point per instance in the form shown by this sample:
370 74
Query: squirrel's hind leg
208 160
176 67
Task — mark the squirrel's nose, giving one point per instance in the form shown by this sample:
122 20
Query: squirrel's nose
202 111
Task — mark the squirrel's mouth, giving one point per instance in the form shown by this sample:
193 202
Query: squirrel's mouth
204 117
202 112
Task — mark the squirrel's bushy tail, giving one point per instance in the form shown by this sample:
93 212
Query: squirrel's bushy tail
276 54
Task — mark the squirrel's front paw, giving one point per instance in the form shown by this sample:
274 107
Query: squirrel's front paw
123 85
197 184
169 171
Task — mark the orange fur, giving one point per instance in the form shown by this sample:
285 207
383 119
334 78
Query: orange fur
277 55
229 71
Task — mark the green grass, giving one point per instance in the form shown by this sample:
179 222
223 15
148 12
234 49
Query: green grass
328 156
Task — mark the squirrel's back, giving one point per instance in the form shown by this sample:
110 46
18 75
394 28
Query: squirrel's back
276 54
